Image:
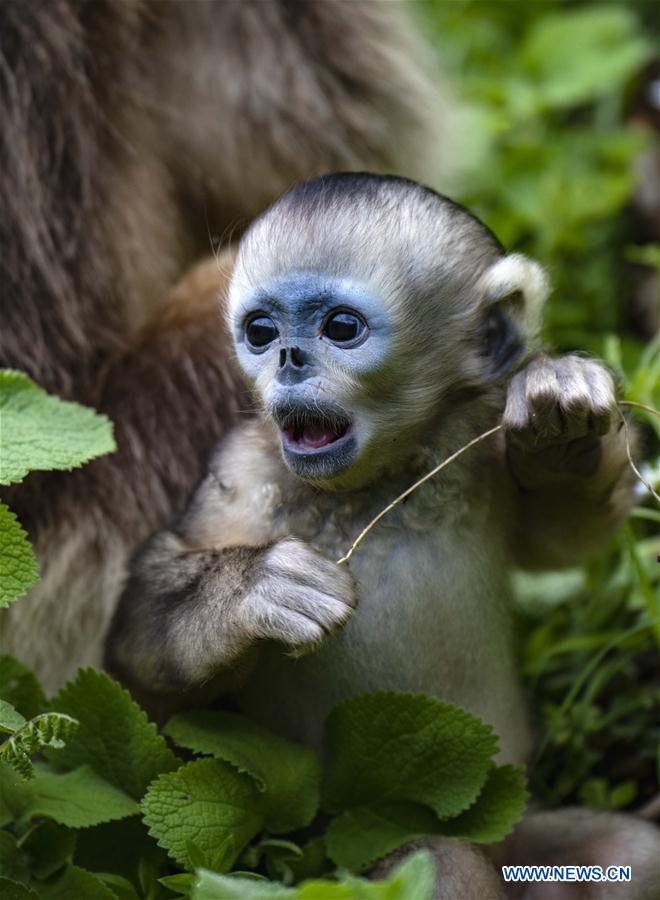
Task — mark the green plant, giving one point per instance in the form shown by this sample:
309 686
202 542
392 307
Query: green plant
548 89
39 432
399 767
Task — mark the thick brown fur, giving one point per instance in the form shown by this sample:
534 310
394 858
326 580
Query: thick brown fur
132 131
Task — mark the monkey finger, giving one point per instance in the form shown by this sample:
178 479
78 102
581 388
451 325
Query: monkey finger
302 567
329 610
603 396
516 412
543 392
574 397
276 623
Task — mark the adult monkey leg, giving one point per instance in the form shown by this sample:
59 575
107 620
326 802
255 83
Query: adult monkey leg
585 837
462 871
170 395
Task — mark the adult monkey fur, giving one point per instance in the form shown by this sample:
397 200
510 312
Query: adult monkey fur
126 128
381 327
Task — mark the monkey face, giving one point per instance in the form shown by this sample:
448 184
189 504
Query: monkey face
364 310
309 343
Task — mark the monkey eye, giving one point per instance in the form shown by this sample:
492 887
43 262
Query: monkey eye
260 331
344 327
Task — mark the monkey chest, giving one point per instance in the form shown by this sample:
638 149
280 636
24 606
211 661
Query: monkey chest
433 618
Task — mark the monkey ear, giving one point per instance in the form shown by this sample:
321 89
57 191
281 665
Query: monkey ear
513 291
519 287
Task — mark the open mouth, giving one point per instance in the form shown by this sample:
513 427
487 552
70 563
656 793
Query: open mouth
311 434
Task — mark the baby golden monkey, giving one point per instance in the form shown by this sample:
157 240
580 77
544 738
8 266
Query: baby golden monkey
382 327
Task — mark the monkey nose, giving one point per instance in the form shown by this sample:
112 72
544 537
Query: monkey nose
294 365
293 356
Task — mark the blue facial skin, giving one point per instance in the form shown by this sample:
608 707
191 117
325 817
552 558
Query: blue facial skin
300 355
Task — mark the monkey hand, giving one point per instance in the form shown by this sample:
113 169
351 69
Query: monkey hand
557 412
298 597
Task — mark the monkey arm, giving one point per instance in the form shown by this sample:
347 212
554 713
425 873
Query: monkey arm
178 622
566 450
192 608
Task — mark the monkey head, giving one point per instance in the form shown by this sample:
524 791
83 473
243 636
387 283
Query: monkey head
361 307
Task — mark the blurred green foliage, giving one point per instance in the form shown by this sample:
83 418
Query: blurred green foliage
548 139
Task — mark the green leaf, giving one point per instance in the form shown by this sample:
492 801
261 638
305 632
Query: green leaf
11 794
211 886
206 801
499 807
579 55
40 431
196 857
45 730
358 837
10 720
314 861
13 864
78 799
75 884
48 847
19 687
387 747
18 564
115 736
412 880
222 858
121 887
12 890
644 255
288 773
8 853
179 884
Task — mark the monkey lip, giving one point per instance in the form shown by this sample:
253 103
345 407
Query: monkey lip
313 435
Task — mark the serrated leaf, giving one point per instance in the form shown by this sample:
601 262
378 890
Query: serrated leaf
19 687
358 837
288 773
45 730
78 799
18 564
387 747
13 890
75 884
42 432
498 808
10 719
206 801
114 734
